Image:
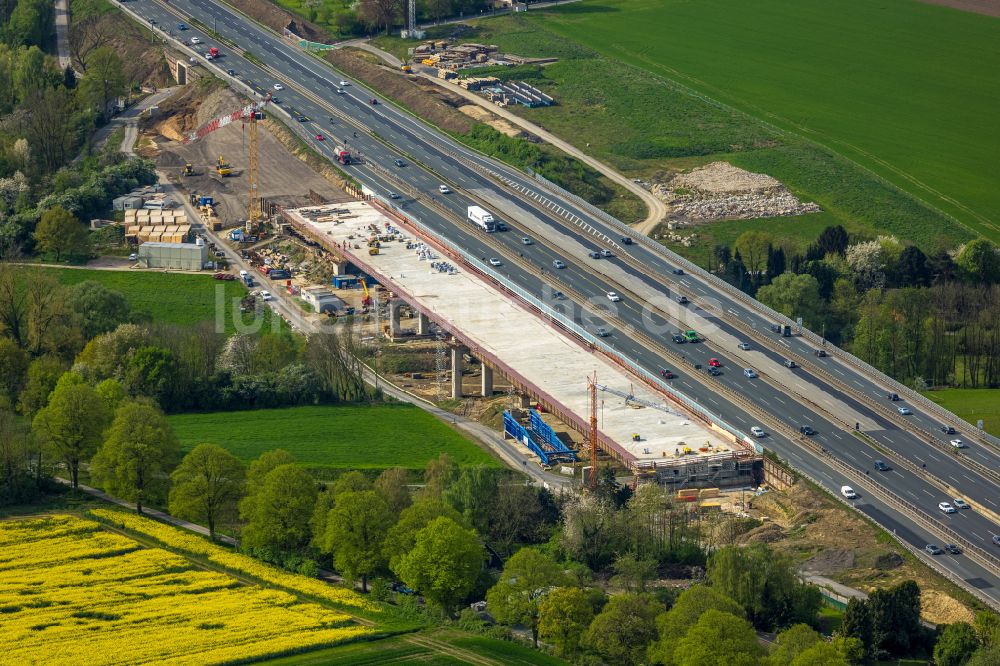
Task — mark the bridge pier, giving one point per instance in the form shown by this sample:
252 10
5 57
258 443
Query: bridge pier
394 328
487 380
456 371
423 324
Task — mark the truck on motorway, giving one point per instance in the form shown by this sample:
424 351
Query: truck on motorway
482 218
343 155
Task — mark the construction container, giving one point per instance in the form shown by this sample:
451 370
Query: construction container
705 493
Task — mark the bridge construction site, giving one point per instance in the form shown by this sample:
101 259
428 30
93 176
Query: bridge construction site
649 433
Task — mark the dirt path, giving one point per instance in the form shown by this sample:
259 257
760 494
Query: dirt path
984 7
657 209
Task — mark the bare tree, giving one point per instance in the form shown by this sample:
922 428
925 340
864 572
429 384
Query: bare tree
381 14
336 358
88 34
46 120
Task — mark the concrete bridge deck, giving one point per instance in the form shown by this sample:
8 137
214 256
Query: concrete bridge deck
502 332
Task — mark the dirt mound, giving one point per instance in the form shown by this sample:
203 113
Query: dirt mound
279 19
431 102
939 608
169 158
829 561
721 191
887 561
769 533
191 108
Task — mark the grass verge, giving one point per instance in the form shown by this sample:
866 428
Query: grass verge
971 405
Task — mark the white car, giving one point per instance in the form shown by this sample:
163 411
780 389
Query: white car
196 40
494 261
947 508
613 297
744 346
749 373
265 295
957 443
393 195
444 189
961 503
848 492
344 84
905 411
133 257
340 91
278 86
243 274
757 431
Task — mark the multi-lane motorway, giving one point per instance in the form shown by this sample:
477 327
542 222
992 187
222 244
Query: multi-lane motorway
827 394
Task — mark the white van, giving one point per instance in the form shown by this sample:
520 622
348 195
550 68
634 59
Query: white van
848 492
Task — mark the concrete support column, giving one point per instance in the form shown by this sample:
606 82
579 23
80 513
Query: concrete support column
456 371
487 376
423 324
394 318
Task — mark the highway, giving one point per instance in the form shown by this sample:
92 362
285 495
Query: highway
789 396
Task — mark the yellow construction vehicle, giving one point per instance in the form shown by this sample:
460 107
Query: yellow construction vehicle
367 300
188 170
406 68
223 169
373 250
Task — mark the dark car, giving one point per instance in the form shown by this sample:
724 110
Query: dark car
892 397
301 118
626 240
501 226
953 549
666 374
881 466
996 539
807 430
678 271
683 300
715 372
678 338
399 163
820 352
948 430
231 72
932 549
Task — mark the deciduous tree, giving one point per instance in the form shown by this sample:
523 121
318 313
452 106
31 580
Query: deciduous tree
278 512
526 578
137 456
444 563
391 485
355 534
690 605
624 628
955 645
719 639
72 424
60 233
563 615
207 486
402 536
105 79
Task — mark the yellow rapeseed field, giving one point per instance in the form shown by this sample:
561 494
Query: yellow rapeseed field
72 593
177 539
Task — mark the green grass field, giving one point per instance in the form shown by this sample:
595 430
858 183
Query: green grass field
410 649
904 88
172 298
971 405
333 437
646 123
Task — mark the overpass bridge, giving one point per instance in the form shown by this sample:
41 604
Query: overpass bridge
649 427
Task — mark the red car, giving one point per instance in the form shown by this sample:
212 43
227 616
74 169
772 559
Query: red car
319 137
667 374
714 362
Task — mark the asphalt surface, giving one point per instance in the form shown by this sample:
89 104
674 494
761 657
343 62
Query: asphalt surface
312 89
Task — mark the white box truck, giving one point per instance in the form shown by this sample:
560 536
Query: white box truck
482 218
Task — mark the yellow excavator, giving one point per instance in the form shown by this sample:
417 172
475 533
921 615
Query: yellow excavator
223 168
188 170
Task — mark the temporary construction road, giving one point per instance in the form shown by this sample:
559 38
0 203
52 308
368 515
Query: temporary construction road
834 394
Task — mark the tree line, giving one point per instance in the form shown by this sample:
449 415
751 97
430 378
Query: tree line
47 117
924 320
